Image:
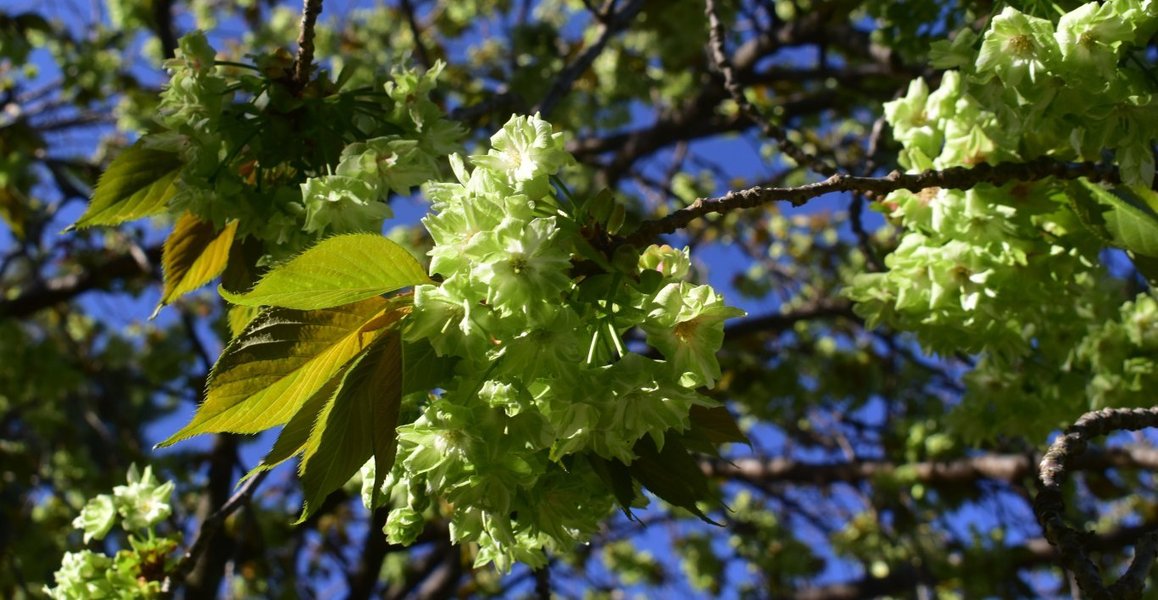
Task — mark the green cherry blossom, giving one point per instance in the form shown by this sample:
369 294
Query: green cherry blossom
686 325
1018 46
97 517
144 502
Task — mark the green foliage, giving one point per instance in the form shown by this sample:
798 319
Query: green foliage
268 372
339 270
138 183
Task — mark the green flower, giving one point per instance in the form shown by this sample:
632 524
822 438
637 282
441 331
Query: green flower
687 326
96 518
527 151
455 324
1089 37
403 526
526 270
1017 46
193 53
340 204
84 575
667 260
145 501
388 163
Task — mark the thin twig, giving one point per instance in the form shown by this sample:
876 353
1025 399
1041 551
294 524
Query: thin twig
305 58
543 582
608 27
1049 505
420 51
210 527
771 130
951 178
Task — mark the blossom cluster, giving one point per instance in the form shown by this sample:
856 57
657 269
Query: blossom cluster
295 169
138 506
1027 87
543 380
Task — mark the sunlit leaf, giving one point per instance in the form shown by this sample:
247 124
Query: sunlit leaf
357 423
137 184
336 271
1126 215
291 441
240 317
265 375
194 253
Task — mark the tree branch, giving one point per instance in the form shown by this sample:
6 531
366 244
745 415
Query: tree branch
305 58
362 580
1049 505
608 27
209 528
772 131
1009 468
953 178
824 308
420 51
66 287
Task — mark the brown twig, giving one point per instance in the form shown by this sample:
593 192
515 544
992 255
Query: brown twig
304 61
210 527
420 51
103 272
952 178
721 63
1049 505
609 26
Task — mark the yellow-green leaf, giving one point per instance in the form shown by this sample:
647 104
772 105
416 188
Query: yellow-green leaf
239 318
137 184
194 253
265 375
335 271
292 439
359 422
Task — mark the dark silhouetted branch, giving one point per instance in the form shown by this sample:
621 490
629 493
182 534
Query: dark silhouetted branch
204 579
1065 455
1009 468
63 288
608 27
736 91
305 58
953 178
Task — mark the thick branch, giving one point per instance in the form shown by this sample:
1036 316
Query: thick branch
420 51
1009 468
362 580
66 287
825 308
954 178
1049 505
305 58
203 577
